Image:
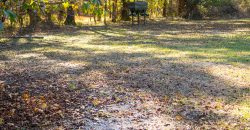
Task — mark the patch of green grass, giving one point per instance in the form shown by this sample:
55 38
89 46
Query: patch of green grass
244 109
227 50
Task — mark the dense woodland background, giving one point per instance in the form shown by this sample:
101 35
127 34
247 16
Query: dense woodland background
28 13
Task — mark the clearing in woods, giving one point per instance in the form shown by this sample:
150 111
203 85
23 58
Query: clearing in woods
165 75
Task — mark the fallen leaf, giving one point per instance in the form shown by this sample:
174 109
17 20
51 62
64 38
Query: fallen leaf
165 98
43 105
96 102
26 96
178 117
60 128
42 99
36 109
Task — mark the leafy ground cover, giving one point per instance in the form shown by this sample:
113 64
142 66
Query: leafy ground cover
166 75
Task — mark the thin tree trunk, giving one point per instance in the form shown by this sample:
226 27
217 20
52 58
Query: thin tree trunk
164 14
171 10
114 15
95 19
105 12
182 6
70 19
60 17
49 19
34 18
110 9
192 11
99 16
125 12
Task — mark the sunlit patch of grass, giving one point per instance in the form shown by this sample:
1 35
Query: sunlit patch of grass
243 110
225 50
242 105
232 20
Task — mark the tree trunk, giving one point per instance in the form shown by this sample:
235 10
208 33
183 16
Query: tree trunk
192 11
70 19
170 9
34 18
99 17
125 11
181 7
114 14
60 17
49 19
105 12
110 8
164 13
189 9
95 19
195 13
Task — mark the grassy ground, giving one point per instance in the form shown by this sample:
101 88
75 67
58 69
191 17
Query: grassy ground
166 75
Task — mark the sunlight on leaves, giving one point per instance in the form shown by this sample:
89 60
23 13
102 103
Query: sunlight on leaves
26 96
72 86
96 102
66 5
1 121
43 105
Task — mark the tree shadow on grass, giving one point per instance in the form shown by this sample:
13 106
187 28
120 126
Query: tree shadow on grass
217 47
164 79
131 70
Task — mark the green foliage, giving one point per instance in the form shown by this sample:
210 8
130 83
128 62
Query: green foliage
85 7
92 7
65 5
195 1
9 14
208 3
